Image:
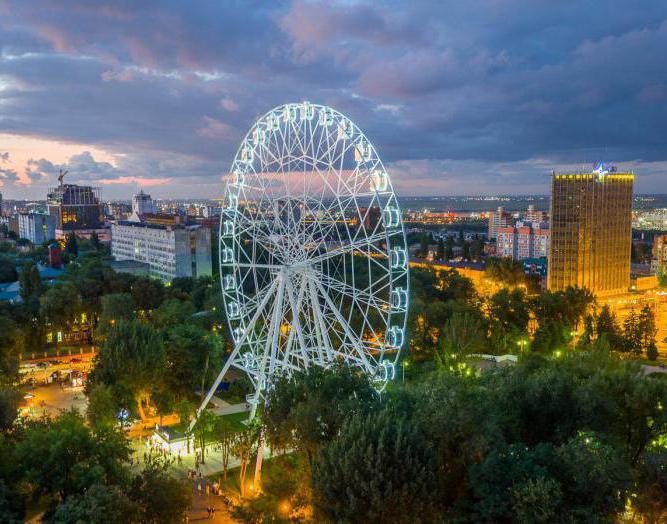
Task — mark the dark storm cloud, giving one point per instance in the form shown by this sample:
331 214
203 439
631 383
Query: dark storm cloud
8 177
484 92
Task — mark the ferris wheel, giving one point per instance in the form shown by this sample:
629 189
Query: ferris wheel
313 257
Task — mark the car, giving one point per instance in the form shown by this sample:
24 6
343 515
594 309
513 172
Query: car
76 360
42 365
54 362
664 340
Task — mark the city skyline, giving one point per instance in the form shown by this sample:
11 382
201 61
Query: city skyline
159 96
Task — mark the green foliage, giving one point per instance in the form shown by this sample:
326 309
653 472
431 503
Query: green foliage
148 293
116 307
651 493
506 271
9 400
30 283
464 334
10 343
99 504
7 270
65 457
379 469
185 410
103 406
161 497
11 505
132 355
172 312
579 481
190 352
60 305
71 245
307 410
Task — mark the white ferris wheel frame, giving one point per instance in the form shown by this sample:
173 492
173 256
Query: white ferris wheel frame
288 257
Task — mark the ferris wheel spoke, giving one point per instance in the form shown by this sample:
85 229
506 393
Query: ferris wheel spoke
353 247
354 340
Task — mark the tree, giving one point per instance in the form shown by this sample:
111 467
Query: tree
308 409
10 344
662 277
244 447
449 247
172 312
466 250
651 497
582 480
71 245
185 410
7 270
148 293
202 428
95 241
116 307
506 271
510 309
423 245
161 497
12 507
30 283
632 335
190 352
225 436
379 469
163 399
647 330
440 254
463 334
103 406
9 401
132 355
99 504
64 457
60 305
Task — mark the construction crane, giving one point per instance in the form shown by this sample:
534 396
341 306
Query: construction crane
61 175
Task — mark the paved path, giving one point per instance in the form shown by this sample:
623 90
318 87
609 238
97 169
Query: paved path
649 370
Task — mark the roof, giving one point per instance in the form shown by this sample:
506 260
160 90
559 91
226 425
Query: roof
48 273
10 292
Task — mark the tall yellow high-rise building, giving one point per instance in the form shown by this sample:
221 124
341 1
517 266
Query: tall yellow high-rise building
591 231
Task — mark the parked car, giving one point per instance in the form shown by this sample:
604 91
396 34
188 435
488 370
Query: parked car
42 365
76 360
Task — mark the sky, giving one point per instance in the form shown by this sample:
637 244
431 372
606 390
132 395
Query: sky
459 97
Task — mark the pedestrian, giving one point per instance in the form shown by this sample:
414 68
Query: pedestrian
208 489
208 512
199 488
212 512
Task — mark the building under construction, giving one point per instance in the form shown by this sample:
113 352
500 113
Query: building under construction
76 208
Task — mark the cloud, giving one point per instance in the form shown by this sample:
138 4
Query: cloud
4 157
8 177
169 88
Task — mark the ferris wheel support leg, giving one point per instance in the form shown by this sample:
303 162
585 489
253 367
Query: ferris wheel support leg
231 358
273 351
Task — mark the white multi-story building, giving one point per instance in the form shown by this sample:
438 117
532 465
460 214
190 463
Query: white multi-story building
37 227
142 204
169 251
498 219
524 240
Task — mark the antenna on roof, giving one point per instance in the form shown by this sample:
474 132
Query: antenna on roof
61 175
